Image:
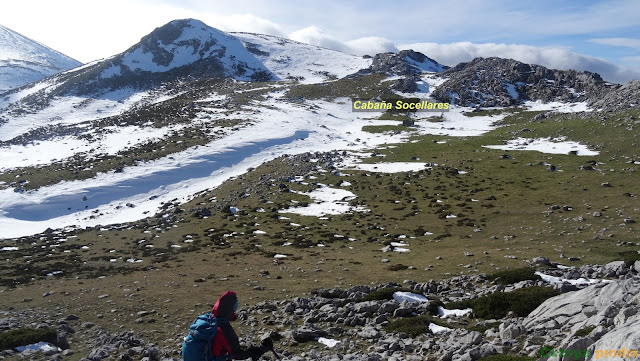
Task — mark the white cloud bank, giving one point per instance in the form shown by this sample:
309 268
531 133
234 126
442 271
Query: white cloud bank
369 45
454 53
554 58
623 42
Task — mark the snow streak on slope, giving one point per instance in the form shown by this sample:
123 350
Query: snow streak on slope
71 110
307 63
23 60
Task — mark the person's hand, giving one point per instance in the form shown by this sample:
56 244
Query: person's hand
256 353
267 343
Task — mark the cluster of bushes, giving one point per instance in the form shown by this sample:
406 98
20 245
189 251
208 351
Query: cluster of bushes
498 305
26 336
412 326
508 358
383 294
507 277
630 257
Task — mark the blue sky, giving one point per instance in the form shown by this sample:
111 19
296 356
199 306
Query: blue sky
601 36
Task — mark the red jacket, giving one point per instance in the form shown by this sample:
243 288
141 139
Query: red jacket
225 342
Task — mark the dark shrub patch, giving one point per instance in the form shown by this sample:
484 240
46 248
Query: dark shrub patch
26 336
398 267
498 305
383 294
507 277
585 331
412 326
508 358
433 306
630 257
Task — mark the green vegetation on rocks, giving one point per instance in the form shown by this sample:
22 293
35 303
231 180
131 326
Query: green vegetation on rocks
26 336
510 276
497 305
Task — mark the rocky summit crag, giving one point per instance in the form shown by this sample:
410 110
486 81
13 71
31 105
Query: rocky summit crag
496 82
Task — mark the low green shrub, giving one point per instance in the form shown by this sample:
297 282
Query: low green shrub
510 276
26 336
397 267
497 305
508 358
585 331
383 294
630 257
412 326
432 308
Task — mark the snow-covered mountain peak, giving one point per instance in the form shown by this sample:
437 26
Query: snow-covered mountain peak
23 60
187 42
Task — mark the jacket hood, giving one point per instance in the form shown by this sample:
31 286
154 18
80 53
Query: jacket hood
225 306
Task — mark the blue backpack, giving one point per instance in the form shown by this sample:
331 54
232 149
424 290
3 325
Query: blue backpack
197 344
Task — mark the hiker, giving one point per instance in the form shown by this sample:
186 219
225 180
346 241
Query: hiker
224 344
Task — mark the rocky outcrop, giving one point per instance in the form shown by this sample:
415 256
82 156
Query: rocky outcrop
619 98
600 317
490 82
407 63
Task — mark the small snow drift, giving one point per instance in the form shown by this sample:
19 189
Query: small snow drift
409 297
546 145
328 201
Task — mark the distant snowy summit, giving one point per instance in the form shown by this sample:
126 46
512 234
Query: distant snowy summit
189 50
23 61
188 43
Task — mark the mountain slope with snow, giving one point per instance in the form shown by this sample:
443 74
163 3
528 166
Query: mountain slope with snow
179 50
306 63
24 61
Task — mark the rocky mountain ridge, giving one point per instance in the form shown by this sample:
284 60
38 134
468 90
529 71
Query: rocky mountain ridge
497 82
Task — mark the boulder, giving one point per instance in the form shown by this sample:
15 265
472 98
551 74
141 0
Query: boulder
368 333
567 309
307 332
366 307
616 268
511 331
623 341
388 307
541 260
